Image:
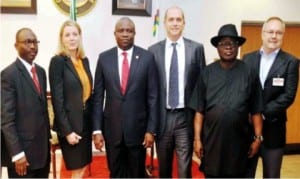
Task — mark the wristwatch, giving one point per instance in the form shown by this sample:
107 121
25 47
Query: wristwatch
259 137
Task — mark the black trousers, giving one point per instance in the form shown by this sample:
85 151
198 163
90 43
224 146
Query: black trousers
126 161
271 163
176 139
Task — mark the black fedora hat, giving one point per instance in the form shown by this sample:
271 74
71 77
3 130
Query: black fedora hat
227 30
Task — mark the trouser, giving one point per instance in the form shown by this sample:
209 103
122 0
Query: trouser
271 162
175 138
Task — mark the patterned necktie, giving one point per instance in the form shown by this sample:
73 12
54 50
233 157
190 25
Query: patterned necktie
35 79
173 79
125 73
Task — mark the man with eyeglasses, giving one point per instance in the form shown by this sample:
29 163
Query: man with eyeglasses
25 132
226 94
279 73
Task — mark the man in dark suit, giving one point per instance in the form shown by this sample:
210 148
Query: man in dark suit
25 130
176 120
279 73
127 75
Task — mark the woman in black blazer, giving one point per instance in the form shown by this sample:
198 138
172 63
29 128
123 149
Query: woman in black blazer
71 88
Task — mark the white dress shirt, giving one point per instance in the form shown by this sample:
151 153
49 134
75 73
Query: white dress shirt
266 61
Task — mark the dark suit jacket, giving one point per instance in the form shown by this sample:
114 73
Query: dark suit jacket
24 116
132 115
194 62
66 95
276 98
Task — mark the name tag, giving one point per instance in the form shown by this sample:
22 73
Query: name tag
278 82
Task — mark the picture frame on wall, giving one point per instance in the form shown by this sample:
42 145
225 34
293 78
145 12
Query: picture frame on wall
18 6
132 7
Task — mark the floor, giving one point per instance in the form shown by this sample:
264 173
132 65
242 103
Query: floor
290 167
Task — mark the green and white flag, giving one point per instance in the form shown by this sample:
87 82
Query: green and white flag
73 10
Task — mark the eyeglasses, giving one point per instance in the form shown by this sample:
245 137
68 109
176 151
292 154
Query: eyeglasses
29 42
271 32
228 44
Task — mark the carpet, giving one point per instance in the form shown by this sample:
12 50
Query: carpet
99 169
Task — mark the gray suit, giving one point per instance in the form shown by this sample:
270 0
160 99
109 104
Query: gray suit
181 139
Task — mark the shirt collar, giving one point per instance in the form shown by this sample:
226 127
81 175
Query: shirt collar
129 51
179 42
26 64
275 52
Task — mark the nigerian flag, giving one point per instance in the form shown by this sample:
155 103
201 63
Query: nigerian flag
73 10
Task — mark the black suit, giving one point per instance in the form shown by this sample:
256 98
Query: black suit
24 117
70 113
194 62
276 99
124 119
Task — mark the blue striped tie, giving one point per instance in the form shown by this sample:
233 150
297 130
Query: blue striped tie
173 79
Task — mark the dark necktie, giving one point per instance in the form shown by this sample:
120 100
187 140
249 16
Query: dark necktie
125 73
173 79
35 79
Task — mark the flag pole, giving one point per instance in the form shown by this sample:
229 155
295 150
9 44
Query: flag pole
73 10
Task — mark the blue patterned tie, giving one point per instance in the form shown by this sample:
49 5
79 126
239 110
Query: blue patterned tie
173 79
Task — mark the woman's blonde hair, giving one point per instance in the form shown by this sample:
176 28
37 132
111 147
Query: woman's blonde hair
61 48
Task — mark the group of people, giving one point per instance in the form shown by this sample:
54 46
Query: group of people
229 112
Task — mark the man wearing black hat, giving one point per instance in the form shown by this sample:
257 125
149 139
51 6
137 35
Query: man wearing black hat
226 93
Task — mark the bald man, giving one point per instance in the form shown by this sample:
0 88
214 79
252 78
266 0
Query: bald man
176 120
127 74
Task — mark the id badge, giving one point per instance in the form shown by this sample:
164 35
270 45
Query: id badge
278 81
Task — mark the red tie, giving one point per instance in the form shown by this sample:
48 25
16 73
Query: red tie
125 73
35 79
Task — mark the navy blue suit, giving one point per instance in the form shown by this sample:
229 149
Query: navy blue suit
124 119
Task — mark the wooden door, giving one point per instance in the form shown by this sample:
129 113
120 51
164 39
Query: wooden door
291 44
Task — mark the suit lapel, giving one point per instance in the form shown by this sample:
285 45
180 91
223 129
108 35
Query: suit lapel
41 79
188 58
26 75
71 67
161 61
87 70
114 69
276 65
133 66
256 62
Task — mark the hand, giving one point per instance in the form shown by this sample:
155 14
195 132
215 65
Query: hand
254 148
148 140
73 138
21 166
98 141
198 148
